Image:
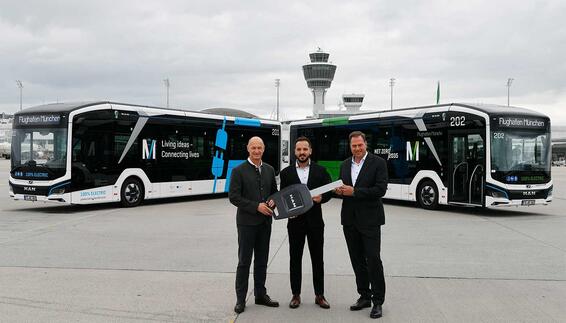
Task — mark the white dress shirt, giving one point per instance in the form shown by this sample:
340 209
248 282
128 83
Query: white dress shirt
303 172
254 165
356 167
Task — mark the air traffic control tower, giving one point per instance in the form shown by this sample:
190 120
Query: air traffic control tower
319 75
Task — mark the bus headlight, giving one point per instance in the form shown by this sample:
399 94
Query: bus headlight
549 195
497 193
10 188
58 191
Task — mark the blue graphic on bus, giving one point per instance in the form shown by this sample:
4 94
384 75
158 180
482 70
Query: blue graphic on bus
218 159
247 122
221 144
231 165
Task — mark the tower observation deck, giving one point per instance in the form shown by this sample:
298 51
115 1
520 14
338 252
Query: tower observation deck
319 75
353 102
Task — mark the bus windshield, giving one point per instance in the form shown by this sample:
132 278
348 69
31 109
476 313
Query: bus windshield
520 156
39 153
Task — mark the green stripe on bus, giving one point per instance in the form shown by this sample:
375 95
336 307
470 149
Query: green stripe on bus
335 121
332 166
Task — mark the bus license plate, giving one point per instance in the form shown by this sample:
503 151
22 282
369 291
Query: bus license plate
528 202
30 198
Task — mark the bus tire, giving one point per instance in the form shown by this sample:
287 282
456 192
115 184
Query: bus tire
132 192
427 195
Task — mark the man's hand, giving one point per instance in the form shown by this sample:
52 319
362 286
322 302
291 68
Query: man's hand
264 209
346 190
317 198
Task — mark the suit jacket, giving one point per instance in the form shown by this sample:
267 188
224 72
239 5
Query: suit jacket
318 176
365 208
248 188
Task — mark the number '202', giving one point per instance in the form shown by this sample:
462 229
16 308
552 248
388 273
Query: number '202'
457 121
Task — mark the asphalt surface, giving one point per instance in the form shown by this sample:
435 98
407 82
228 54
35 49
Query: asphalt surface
175 261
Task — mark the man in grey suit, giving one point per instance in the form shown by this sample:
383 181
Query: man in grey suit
365 183
251 184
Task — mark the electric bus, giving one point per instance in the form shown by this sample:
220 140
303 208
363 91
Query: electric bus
94 152
458 154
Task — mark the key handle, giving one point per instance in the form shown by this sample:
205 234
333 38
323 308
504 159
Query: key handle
291 201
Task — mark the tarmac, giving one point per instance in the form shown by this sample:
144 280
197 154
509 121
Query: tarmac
174 260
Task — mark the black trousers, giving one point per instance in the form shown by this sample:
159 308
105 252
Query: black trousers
315 236
252 240
364 246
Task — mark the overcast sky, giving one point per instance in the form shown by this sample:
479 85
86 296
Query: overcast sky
228 53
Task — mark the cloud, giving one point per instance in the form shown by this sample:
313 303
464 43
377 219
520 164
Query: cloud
226 54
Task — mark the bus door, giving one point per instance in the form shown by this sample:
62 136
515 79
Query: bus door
467 168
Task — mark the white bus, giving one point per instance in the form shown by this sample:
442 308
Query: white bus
459 154
94 152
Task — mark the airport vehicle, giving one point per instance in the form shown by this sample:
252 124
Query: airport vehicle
94 152
459 154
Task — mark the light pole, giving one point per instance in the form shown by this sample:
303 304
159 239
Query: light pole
509 81
167 85
277 83
391 84
21 86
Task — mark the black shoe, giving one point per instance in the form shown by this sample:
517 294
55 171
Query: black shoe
376 312
295 301
321 301
266 300
240 307
361 303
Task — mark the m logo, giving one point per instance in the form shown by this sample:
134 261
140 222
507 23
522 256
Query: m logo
148 151
412 152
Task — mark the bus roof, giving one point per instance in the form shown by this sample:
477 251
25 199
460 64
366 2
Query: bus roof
72 106
489 109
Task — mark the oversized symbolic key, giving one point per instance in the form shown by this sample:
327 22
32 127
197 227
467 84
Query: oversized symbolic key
296 199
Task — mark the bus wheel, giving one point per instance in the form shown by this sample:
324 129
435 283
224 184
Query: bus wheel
132 193
427 195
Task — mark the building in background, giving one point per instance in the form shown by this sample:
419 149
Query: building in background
349 105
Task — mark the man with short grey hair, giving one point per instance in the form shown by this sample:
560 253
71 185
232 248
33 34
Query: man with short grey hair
251 183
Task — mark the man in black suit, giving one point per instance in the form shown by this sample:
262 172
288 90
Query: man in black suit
365 182
251 184
309 224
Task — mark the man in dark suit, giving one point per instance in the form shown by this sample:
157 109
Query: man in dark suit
365 182
309 224
251 184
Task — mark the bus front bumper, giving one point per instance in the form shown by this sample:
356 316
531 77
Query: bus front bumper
54 193
501 202
41 198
